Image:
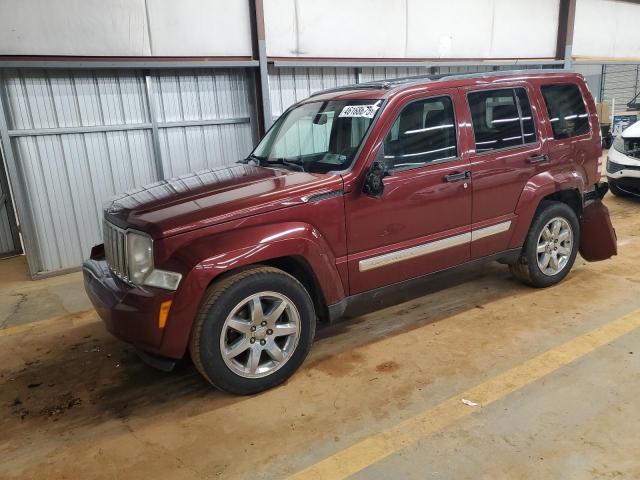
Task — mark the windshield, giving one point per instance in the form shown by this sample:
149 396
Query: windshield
317 136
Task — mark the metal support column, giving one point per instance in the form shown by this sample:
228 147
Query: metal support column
260 51
566 22
155 136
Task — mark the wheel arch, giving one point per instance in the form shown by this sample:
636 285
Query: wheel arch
302 253
565 187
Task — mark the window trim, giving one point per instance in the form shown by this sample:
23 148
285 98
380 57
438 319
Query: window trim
533 118
586 109
455 126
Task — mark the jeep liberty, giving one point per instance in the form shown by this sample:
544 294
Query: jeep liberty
353 193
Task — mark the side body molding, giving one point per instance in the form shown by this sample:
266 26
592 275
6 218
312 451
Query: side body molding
252 245
539 186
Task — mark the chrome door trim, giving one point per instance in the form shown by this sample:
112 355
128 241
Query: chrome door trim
413 252
491 230
431 247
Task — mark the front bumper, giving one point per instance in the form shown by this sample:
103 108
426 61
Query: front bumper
130 313
623 171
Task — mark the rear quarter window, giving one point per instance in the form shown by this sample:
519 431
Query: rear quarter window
566 109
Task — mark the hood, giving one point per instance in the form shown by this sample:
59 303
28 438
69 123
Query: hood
632 131
214 196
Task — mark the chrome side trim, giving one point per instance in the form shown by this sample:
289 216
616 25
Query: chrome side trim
431 247
413 252
491 230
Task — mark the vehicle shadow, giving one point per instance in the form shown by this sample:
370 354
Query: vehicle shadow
83 377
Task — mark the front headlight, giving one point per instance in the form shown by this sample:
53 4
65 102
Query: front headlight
618 144
140 256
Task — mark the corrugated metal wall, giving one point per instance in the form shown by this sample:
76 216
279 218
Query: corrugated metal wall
620 82
194 109
80 137
290 85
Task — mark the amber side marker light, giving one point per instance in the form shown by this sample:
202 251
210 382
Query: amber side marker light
164 313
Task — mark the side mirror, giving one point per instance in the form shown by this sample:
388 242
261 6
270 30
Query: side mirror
373 181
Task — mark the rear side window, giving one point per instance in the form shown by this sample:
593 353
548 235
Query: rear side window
566 109
501 119
423 133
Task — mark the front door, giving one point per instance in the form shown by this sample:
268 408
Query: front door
421 223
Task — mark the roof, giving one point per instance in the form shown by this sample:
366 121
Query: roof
383 88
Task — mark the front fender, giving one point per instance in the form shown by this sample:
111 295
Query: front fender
250 245
536 189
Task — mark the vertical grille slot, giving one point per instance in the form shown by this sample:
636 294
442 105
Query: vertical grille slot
115 249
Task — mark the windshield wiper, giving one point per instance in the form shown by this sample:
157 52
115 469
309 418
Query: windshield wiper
259 160
294 164
263 162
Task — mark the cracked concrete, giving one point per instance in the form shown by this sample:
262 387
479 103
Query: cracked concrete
23 300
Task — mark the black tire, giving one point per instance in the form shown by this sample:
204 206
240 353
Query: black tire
613 188
526 269
220 300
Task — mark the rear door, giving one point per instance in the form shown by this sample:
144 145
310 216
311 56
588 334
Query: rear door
572 131
422 221
506 151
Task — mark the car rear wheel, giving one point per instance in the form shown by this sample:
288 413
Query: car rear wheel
253 331
551 246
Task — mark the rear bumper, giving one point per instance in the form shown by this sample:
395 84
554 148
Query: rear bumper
130 313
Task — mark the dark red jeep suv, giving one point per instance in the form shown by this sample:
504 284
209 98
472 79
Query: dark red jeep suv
354 192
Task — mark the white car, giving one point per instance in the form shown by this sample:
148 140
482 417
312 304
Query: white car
623 162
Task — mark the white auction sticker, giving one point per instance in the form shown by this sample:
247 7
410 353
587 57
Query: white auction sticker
359 111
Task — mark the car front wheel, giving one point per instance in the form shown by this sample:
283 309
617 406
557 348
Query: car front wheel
253 331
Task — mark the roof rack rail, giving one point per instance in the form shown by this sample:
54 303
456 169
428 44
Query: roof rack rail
390 83
354 86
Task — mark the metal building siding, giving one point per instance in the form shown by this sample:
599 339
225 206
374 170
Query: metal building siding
68 176
622 83
102 142
288 85
369 74
202 97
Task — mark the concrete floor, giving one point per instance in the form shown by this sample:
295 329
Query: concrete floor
555 374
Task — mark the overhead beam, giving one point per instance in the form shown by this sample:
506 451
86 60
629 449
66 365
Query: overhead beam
566 23
13 61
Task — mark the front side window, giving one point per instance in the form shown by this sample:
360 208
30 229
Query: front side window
501 119
317 136
566 109
423 133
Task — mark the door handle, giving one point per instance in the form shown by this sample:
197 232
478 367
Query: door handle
538 158
456 177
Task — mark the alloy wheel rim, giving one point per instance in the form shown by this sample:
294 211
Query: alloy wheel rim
555 244
260 334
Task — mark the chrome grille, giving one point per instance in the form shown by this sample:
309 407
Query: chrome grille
115 249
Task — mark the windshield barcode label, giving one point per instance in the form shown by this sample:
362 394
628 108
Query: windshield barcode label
359 111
